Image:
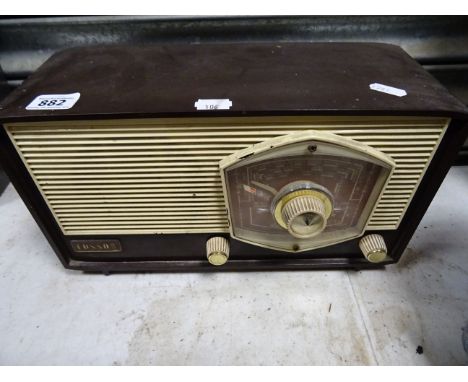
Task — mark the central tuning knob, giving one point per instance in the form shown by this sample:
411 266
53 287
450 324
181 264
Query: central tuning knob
304 216
303 208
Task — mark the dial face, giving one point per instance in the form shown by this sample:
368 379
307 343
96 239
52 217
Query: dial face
253 187
350 182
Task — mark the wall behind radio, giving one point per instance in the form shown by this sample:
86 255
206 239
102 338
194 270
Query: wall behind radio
439 43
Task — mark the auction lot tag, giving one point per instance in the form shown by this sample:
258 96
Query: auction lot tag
54 101
213 104
388 89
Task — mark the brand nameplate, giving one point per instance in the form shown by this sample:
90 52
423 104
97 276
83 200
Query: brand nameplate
96 245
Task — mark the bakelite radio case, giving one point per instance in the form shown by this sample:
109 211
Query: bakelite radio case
145 173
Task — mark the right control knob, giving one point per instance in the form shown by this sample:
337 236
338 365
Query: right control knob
373 248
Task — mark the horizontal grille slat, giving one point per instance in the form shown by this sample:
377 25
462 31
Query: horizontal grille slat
385 214
66 207
135 160
162 182
175 198
195 174
406 176
142 191
162 176
140 231
125 154
111 216
143 197
412 149
89 188
210 206
231 147
155 168
139 165
144 226
391 200
147 220
166 220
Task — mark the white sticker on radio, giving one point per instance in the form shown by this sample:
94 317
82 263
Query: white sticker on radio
213 104
54 101
388 89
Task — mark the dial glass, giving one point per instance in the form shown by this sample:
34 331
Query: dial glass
277 197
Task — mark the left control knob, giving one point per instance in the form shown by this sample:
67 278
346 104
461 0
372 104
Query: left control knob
217 250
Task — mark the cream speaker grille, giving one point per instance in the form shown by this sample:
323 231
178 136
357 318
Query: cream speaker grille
162 175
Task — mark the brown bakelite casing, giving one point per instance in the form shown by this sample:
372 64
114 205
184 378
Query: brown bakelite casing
261 79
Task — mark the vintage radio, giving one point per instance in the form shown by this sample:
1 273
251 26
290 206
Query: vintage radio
258 156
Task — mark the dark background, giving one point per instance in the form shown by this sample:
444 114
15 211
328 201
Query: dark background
439 43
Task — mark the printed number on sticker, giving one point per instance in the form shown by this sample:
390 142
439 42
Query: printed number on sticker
53 101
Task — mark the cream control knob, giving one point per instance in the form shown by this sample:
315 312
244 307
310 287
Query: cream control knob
305 216
217 250
373 248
